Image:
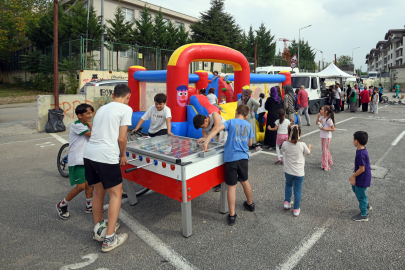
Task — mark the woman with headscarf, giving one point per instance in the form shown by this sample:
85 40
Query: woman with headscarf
273 104
289 103
253 105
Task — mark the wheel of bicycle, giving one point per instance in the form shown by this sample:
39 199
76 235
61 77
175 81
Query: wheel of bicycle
62 161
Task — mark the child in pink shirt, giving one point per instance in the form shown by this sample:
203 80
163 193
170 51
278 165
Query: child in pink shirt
326 123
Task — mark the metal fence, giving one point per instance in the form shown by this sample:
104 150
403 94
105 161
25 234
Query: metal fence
88 54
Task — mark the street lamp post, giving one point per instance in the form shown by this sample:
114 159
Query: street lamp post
352 55
299 38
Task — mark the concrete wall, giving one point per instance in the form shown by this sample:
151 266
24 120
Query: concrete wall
96 96
87 75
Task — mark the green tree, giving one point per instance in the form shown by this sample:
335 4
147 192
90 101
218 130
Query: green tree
182 36
307 55
40 32
78 22
266 46
344 60
119 31
143 33
159 31
250 44
14 18
172 32
216 26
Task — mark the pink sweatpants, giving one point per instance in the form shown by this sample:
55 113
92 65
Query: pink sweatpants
326 156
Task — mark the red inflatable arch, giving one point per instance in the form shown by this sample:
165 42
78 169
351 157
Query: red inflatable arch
178 67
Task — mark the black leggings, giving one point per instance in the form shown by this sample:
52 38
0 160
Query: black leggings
260 120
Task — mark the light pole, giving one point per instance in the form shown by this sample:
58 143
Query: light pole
322 57
352 55
299 38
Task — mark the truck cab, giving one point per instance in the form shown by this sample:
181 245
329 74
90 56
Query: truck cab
315 87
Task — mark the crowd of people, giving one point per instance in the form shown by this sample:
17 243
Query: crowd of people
98 149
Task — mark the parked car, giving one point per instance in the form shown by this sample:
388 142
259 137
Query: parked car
102 83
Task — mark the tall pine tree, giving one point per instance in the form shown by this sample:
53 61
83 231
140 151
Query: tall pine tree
250 44
307 55
119 31
217 27
266 46
143 32
159 31
172 33
182 36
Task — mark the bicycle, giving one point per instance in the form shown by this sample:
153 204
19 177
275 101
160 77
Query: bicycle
384 99
62 160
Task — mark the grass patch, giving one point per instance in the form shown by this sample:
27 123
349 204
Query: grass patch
10 94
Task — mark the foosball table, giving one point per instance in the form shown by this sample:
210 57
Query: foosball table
176 167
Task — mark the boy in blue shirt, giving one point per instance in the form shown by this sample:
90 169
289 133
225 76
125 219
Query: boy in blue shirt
236 157
361 179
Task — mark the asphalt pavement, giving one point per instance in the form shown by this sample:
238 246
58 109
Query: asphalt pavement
322 237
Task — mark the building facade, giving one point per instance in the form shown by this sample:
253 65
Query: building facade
388 53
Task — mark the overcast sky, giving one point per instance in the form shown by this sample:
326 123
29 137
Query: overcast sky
338 26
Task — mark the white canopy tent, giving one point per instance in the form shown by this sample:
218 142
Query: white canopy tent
334 71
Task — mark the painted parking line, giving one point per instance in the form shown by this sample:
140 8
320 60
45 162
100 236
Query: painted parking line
395 142
59 138
153 241
302 250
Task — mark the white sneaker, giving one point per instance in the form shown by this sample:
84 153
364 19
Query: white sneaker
287 205
117 225
119 239
296 212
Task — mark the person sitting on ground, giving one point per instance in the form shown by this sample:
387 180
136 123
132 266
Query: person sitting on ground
397 90
223 99
361 179
160 115
80 132
236 157
207 124
104 154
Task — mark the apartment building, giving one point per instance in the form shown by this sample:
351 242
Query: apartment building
387 53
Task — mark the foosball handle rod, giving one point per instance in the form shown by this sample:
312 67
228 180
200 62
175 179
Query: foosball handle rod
135 168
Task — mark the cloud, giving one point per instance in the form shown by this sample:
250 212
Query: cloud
338 26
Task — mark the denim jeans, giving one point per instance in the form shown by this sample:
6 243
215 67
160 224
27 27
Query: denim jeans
305 111
362 198
296 181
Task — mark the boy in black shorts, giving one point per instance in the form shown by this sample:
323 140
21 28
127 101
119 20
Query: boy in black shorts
236 157
104 154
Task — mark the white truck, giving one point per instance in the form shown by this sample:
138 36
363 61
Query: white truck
315 87
275 70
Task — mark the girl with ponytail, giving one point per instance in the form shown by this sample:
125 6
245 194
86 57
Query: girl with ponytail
261 111
281 125
326 123
294 167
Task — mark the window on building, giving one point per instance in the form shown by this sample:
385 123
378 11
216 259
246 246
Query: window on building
205 64
128 53
178 24
128 14
166 21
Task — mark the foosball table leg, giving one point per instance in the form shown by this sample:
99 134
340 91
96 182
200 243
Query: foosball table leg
129 186
186 219
224 208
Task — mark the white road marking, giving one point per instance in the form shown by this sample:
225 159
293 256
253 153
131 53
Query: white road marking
398 138
45 144
300 253
59 138
92 258
262 152
340 129
153 241
47 138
